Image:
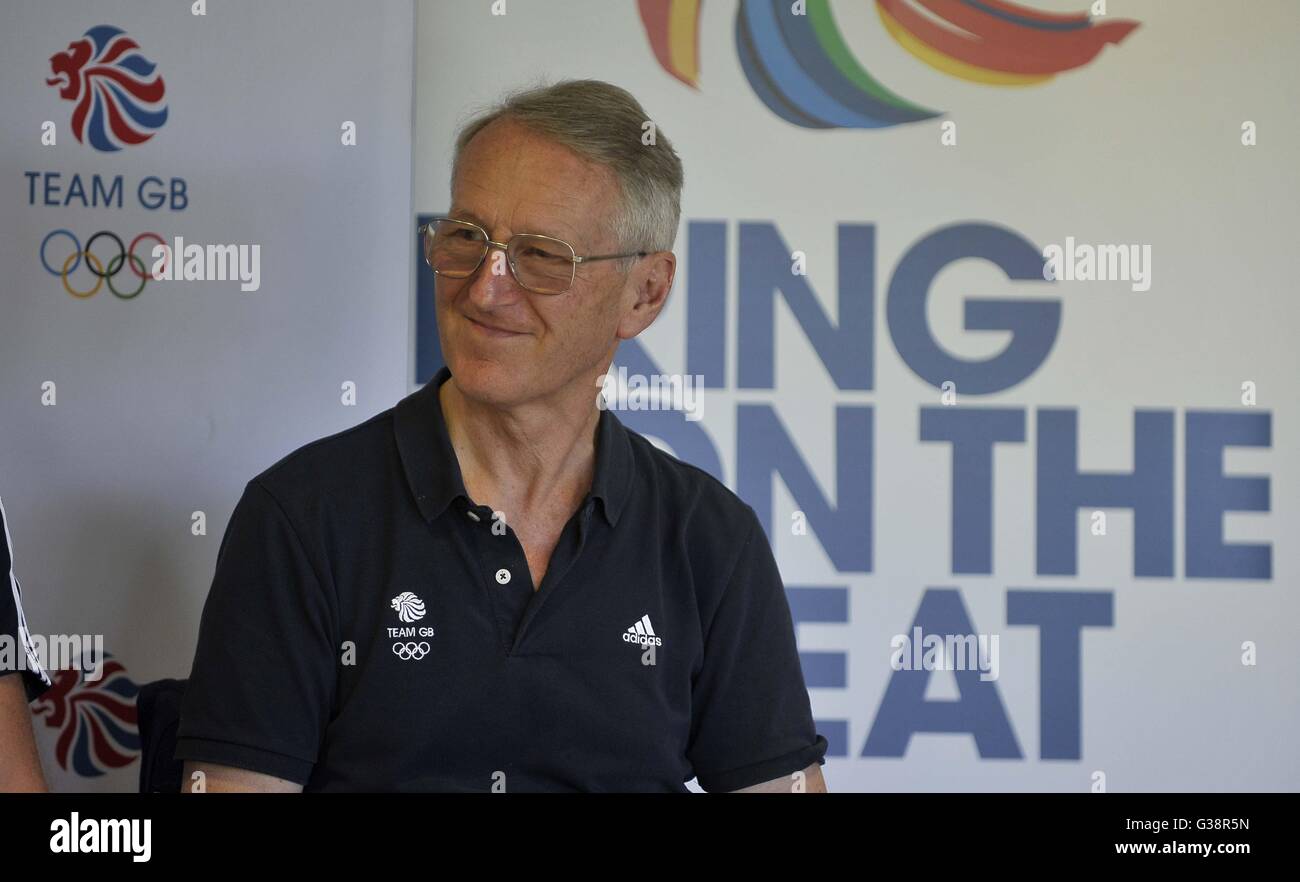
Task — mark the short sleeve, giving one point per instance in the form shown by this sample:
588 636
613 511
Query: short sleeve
751 718
262 686
18 647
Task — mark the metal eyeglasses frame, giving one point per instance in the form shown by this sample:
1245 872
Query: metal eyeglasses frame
488 244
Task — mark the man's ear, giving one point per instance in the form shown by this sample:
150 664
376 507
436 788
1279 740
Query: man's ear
652 279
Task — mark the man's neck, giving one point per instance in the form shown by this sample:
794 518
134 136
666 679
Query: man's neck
528 459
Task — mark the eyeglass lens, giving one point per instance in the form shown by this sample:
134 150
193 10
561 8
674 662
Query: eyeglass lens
455 250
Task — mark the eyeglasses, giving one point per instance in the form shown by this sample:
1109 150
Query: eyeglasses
542 264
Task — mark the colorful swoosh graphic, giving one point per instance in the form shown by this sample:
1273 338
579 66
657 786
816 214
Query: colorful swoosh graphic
802 69
674 30
990 41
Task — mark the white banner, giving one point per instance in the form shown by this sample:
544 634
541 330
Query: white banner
273 140
1091 477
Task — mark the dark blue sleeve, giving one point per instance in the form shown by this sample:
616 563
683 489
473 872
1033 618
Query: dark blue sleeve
751 717
262 685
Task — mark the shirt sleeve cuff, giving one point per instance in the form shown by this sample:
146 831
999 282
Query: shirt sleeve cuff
36 685
767 770
239 756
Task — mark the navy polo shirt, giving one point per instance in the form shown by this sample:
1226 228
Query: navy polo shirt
370 627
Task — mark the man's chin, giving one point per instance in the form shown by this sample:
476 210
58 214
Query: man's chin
491 380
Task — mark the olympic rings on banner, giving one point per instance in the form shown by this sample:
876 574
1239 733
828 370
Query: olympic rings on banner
125 257
114 265
98 283
90 243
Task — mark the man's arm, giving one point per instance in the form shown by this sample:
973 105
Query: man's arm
227 779
20 764
751 717
810 778
261 686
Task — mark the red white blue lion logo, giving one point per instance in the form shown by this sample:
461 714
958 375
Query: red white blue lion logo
118 97
96 720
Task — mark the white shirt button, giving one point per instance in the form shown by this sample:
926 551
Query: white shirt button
503 576
473 517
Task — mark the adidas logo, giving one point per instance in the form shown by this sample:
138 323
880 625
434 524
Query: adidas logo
642 633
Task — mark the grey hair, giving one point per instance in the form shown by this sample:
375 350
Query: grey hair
604 125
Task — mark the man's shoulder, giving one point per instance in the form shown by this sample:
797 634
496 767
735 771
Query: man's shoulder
688 492
335 463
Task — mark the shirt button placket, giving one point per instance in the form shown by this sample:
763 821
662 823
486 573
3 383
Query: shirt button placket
510 595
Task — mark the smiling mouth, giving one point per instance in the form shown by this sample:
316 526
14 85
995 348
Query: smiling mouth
493 331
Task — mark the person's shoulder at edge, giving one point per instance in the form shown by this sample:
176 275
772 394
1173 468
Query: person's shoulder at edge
716 525
333 464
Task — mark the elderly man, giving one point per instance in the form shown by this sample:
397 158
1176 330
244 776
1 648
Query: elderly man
494 585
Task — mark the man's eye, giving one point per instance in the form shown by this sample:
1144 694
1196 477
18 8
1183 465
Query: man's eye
544 254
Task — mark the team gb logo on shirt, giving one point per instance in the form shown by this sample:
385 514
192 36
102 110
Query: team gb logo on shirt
409 607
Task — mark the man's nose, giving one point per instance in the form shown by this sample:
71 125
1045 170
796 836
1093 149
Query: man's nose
493 284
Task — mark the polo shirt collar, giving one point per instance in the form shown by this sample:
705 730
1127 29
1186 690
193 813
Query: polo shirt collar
433 472
612 481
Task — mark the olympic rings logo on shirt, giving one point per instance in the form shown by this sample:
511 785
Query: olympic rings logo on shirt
125 257
408 651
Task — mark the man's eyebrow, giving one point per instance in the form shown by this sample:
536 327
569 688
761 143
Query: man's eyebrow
464 214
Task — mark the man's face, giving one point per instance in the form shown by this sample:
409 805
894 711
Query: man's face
505 344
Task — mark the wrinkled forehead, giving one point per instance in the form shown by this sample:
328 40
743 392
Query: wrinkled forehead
511 180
